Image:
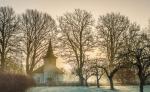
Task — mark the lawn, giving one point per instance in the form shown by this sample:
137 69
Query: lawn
88 89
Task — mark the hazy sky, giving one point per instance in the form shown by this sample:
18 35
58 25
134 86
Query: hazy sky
136 10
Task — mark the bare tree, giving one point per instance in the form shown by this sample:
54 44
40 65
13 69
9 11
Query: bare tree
137 52
111 29
37 28
97 71
76 29
8 32
88 71
91 68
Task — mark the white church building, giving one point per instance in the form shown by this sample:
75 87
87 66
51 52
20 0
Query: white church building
48 74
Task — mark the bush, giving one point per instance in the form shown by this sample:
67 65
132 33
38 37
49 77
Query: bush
15 82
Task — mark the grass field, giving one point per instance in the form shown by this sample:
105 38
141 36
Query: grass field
89 89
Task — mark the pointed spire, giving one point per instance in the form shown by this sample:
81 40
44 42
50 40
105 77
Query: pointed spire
50 50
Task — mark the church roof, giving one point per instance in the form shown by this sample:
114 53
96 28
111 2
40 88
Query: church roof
41 70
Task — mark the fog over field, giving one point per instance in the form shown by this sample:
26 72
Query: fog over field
90 89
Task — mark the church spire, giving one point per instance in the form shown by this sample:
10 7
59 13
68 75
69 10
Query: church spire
49 51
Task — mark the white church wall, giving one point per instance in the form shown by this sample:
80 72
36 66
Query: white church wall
38 78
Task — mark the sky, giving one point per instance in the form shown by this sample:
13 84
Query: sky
137 10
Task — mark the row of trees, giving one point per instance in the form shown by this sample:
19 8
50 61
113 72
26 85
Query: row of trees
122 43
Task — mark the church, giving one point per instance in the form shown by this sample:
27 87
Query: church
48 74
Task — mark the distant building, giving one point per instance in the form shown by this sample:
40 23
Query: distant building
48 74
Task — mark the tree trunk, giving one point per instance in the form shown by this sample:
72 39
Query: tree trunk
98 84
141 76
2 63
86 83
81 79
141 86
27 63
111 82
142 82
97 81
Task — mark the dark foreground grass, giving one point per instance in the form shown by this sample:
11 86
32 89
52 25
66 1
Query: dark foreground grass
15 82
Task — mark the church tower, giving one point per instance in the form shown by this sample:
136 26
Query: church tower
49 73
50 58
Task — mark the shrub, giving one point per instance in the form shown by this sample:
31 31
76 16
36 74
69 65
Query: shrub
15 82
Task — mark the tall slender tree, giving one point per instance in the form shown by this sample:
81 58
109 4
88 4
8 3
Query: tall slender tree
97 71
137 52
76 29
111 28
9 26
